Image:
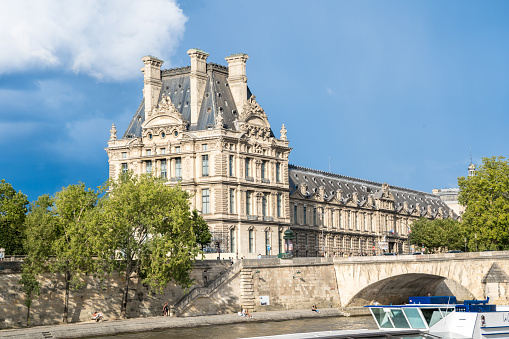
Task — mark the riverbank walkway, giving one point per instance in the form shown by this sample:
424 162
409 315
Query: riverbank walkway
110 327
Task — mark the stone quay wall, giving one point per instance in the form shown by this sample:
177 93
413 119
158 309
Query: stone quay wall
95 295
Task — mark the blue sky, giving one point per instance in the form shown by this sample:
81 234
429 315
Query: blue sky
389 91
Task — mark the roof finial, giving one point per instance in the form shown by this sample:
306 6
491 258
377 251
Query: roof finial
113 132
283 133
471 167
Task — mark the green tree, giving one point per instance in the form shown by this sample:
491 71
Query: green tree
486 197
437 235
31 286
59 236
13 208
200 229
145 228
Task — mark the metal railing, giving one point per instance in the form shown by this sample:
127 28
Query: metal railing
208 289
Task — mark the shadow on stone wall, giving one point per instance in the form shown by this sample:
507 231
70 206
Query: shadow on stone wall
104 295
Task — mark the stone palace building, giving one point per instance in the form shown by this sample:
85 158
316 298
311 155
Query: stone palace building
201 126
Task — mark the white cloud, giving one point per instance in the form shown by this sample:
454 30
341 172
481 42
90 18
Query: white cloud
105 39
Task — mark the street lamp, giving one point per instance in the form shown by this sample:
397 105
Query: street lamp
465 244
476 242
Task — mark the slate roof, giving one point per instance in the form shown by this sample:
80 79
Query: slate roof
217 98
348 185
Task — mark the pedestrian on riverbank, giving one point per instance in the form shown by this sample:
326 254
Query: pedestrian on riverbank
97 316
314 309
166 310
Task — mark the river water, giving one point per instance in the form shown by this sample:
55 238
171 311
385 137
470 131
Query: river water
246 330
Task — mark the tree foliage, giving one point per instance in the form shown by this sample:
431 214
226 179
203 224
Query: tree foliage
200 229
437 235
486 197
31 286
13 208
59 236
145 228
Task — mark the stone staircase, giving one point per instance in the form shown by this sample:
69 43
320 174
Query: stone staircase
247 289
207 290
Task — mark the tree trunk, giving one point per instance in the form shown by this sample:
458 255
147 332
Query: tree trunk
66 301
28 316
126 291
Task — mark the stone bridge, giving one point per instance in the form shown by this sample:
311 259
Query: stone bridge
392 279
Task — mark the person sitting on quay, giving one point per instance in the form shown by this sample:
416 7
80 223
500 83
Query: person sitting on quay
97 316
166 310
314 309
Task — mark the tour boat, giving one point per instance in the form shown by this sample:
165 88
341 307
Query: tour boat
444 317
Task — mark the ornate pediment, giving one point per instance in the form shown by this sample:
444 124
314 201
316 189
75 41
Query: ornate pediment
166 107
254 114
164 119
164 113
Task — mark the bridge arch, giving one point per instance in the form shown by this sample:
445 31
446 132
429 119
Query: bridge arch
465 275
397 289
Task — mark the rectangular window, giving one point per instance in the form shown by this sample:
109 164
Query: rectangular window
233 241
204 147
264 169
248 167
267 243
231 165
205 165
163 169
279 204
295 214
248 202
124 167
280 241
177 149
149 152
365 222
178 167
163 150
149 167
264 205
304 216
205 201
232 200
278 172
339 219
251 241
349 219
332 217
314 216
124 155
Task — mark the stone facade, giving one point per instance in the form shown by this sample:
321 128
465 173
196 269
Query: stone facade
200 126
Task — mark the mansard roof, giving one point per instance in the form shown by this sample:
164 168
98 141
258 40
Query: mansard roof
217 98
364 189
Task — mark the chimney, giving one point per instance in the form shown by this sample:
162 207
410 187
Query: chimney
237 79
198 80
151 82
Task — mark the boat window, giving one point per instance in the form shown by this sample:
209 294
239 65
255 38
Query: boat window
414 317
398 318
382 317
433 315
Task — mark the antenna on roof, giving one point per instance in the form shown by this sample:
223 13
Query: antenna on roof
471 154
329 164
